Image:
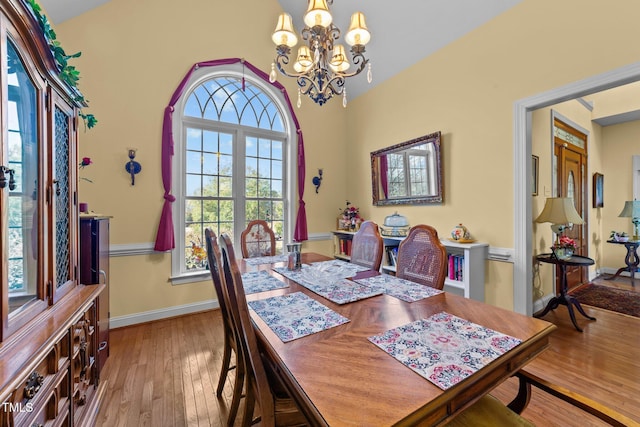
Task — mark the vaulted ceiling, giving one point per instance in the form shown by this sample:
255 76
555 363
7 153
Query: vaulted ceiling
403 32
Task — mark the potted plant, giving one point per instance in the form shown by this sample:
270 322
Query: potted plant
564 247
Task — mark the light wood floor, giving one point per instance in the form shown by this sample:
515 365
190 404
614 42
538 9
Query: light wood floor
164 373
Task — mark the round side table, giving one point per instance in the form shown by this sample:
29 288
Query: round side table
564 298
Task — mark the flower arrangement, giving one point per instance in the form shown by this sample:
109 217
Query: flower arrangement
619 236
197 259
350 216
565 242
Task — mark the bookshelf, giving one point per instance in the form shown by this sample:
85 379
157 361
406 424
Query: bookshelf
466 270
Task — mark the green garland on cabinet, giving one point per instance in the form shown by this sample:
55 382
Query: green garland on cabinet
68 73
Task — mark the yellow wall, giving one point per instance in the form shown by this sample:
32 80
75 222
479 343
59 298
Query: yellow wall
467 90
135 53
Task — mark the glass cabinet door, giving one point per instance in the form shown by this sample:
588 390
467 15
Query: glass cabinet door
20 196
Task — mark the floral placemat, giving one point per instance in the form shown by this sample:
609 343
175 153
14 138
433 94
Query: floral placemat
260 281
265 260
405 290
341 291
296 315
444 348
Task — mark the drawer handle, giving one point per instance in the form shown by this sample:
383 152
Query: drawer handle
34 382
103 345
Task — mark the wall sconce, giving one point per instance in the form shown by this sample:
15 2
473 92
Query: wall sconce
132 167
317 180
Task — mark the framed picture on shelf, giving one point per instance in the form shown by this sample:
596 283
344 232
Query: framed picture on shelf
534 178
598 190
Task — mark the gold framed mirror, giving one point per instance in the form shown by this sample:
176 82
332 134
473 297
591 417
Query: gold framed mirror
409 173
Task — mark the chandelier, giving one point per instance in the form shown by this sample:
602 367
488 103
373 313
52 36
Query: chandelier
321 66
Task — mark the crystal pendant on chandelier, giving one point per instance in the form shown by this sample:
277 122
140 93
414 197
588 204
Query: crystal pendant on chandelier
272 75
299 103
321 66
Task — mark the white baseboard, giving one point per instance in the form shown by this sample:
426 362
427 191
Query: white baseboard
165 313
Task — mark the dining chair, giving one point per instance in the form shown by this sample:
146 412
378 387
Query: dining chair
263 387
422 258
231 344
257 240
367 246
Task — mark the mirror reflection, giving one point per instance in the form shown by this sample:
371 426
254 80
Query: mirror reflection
408 173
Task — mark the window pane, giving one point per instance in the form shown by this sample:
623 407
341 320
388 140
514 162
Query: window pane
251 166
210 142
252 147
210 163
251 187
226 189
192 210
194 138
193 187
193 162
251 210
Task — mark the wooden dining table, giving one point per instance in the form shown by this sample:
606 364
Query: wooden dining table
340 378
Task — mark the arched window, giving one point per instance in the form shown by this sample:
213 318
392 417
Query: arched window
234 161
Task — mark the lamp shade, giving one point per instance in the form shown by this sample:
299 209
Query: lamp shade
284 33
559 210
318 14
358 33
339 62
631 209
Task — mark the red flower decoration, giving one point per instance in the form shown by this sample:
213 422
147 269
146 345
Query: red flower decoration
86 161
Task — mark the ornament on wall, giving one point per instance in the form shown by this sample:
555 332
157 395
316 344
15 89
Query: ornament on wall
317 180
132 167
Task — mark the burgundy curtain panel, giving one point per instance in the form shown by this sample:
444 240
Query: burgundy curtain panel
165 238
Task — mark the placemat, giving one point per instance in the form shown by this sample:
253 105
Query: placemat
260 281
444 348
405 290
265 260
296 315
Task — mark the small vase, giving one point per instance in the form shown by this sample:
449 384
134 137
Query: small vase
563 253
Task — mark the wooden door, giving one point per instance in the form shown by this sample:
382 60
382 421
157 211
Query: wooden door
570 147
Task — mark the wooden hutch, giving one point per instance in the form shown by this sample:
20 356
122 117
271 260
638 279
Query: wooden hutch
48 321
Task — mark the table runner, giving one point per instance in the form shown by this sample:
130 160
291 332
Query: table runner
328 279
405 290
296 315
444 348
260 281
266 259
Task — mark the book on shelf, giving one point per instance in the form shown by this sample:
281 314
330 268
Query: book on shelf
456 267
392 255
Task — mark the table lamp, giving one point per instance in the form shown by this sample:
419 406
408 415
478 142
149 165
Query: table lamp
632 210
561 213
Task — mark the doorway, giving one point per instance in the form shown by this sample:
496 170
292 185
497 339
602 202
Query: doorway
523 216
570 155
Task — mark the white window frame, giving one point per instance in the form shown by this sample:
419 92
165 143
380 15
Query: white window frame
179 275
